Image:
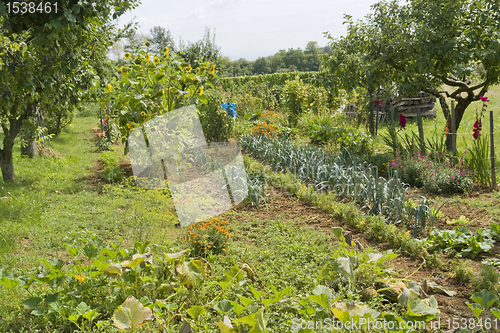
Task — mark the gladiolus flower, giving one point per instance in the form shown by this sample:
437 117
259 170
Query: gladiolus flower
402 120
483 99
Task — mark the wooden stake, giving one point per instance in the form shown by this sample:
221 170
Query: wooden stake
421 132
372 129
492 154
453 130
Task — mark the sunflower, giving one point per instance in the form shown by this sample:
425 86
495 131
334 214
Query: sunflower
156 60
147 43
212 69
148 57
143 114
166 57
189 69
166 49
128 55
80 277
110 88
201 91
123 70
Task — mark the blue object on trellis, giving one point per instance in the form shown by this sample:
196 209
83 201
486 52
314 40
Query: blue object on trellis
230 109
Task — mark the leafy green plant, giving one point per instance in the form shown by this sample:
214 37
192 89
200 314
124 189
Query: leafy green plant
208 237
462 272
216 123
477 159
462 240
295 95
483 301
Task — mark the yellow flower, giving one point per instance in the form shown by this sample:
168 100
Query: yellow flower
143 114
156 60
189 69
128 55
201 91
123 70
166 57
148 57
212 69
147 44
80 277
110 88
166 49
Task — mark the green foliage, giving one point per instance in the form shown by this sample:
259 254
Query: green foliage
208 237
111 172
462 241
344 175
295 96
462 271
271 81
151 85
487 279
478 159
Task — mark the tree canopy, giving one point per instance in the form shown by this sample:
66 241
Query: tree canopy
50 56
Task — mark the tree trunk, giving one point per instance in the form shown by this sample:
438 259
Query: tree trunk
31 149
7 164
58 125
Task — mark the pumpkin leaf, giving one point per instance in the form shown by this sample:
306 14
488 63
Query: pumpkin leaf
131 315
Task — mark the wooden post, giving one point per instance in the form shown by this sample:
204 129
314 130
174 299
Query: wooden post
453 130
100 120
376 121
421 132
370 120
492 154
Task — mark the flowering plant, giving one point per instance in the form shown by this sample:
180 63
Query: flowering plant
402 121
208 237
478 159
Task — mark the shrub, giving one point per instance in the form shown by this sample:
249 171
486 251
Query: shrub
462 271
208 237
112 172
216 123
433 176
295 97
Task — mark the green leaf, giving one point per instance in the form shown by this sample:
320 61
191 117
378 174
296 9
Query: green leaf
223 306
50 298
82 308
476 308
91 315
225 328
32 302
189 273
114 269
337 231
320 289
73 251
134 263
257 321
8 282
495 312
195 311
321 300
238 308
131 315
89 251
39 311
246 301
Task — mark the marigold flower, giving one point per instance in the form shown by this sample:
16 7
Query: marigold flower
80 277
110 89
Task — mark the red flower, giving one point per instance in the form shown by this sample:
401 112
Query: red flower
476 131
402 120
483 99
378 102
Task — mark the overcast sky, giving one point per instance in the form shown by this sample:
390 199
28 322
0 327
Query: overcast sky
250 28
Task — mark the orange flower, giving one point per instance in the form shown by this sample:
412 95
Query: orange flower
80 277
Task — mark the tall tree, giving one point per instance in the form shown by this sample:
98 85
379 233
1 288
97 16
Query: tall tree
45 53
160 39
